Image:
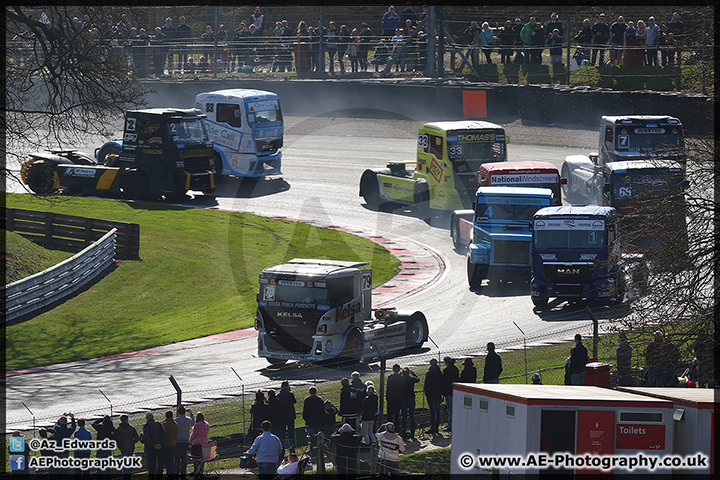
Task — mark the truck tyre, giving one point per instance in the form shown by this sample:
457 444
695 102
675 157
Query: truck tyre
540 304
354 346
567 188
40 178
108 149
218 166
416 330
370 190
474 277
455 232
133 185
277 362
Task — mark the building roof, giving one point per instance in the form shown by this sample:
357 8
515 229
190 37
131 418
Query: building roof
564 395
689 397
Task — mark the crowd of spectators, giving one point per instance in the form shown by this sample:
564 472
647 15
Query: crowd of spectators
176 48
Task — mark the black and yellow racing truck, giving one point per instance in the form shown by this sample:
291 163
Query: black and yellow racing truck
444 177
163 152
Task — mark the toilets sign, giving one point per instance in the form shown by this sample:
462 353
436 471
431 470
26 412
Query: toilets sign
640 437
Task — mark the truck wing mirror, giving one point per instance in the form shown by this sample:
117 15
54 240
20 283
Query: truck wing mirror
257 297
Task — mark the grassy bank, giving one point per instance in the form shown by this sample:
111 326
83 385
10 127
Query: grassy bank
197 276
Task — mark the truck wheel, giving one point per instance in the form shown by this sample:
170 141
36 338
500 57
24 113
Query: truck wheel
133 185
474 277
354 346
109 149
421 197
218 166
567 188
540 304
40 178
369 189
455 232
416 331
277 362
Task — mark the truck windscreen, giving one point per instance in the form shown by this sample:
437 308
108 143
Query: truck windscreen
503 212
485 151
649 140
565 238
638 187
294 292
187 131
266 111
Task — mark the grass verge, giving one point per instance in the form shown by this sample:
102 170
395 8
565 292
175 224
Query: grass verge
197 276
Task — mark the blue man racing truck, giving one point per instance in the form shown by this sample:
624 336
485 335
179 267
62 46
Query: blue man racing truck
576 255
500 241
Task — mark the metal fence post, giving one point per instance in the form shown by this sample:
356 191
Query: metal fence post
596 335
320 453
428 466
177 389
373 459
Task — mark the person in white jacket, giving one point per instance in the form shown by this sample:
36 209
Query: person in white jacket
391 446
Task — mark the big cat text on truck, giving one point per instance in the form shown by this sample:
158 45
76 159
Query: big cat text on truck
246 128
315 310
444 175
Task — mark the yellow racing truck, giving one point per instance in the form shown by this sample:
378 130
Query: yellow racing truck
444 173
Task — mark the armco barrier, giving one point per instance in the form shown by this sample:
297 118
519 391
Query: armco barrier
59 282
72 233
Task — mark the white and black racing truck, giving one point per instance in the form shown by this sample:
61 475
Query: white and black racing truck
622 138
317 310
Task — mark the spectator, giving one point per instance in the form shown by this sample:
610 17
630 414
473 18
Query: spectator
617 40
184 37
536 380
343 42
394 394
538 42
198 438
369 413
267 450
364 47
182 441
391 446
507 41
354 51
331 39
486 40
666 45
359 388
493 365
472 33
169 444
313 49
601 35
241 46
641 35
222 34
555 42
203 65
329 412
397 43
153 436
527 34
208 37
433 388
349 406
469 372
578 359
82 433
257 19
677 29
170 33
651 42
584 39
287 432
347 446
126 437
670 363
105 430
517 28
259 412
160 51
623 355
140 52
381 55
390 21
313 411
408 402
407 14
632 56
451 374
555 23
289 467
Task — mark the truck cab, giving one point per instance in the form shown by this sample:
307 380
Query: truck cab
443 176
246 128
522 174
499 247
637 187
163 152
622 138
314 310
577 255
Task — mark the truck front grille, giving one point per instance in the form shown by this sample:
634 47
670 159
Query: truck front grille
512 251
262 146
573 272
568 290
287 344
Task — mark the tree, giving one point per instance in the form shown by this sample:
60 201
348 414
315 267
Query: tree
65 80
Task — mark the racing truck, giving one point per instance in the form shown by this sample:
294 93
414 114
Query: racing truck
577 255
444 173
316 310
163 152
637 189
246 128
499 241
522 174
622 138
